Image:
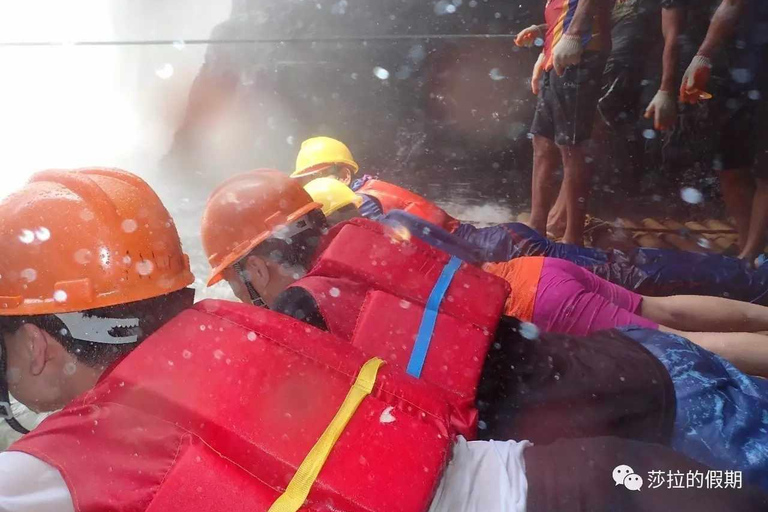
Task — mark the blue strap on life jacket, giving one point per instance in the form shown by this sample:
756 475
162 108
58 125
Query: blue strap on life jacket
427 327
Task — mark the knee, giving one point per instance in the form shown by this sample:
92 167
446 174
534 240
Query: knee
543 147
572 153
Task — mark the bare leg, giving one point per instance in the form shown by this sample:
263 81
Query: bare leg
545 162
738 192
700 313
758 223
558 216
576 183
747 351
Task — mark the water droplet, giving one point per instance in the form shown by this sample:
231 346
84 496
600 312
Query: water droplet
145 267
482 425
87 215
27 236
387 416
334 292
165 71
70 368
29 274
83 256
496 75
129 225
529 331
405 304
202 327
251 336
186 354
218 354
42 234
179 44
60 296
380 73
691 195
741 75
649 134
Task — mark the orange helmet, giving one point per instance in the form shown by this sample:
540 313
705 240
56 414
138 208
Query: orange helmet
247 209
84 239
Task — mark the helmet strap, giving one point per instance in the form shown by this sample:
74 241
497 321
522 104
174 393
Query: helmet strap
254 296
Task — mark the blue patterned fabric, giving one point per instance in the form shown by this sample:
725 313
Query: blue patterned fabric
654 272
722 414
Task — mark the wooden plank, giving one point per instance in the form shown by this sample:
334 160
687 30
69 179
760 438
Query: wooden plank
720 242
677 241
644 239
693 237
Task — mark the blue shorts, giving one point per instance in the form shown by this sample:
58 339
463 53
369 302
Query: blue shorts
722 414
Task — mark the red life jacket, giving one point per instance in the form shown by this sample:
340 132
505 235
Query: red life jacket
217 410
374 290
392 197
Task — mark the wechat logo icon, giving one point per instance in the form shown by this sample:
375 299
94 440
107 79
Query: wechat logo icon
625 475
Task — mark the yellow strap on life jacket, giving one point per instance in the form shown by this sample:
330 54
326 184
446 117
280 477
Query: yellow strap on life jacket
298 488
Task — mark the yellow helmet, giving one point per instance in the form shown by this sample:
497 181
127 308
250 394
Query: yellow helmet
332 194
319 152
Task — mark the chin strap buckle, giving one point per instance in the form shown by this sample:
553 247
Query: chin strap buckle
5 411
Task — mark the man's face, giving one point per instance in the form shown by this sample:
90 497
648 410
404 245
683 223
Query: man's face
339 172
269 279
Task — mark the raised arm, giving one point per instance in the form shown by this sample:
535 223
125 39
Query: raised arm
721 28
568 50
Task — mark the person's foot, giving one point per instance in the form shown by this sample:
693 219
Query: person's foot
750 259
556 229
572 241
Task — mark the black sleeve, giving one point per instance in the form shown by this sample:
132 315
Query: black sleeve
298 303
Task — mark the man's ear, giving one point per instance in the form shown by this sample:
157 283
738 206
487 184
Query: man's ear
345 175
257 272
36 343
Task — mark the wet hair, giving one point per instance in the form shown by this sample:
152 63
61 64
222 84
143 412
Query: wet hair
299 250
152 314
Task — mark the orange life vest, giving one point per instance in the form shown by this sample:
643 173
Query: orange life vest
379 292
217 410
392 197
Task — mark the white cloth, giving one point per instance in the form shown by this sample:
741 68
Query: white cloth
484 476
26 417
28 484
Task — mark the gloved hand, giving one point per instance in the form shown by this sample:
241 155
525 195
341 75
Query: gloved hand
567 52
528 36
538 70
663 110
695 79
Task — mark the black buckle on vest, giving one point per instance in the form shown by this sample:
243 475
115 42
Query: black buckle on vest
5 411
